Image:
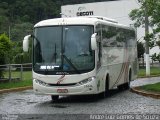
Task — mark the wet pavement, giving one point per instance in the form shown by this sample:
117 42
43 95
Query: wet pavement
119 102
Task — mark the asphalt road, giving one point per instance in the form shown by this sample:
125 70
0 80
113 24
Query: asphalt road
119 102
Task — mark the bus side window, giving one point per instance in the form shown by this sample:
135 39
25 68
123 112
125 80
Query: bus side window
99 34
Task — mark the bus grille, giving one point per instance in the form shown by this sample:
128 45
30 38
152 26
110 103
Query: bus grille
71 84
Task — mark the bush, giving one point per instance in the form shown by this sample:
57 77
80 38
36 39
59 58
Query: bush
5 47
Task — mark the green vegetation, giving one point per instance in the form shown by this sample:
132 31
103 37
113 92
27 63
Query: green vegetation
140 49
27 80
155 71
5 48
27 75
152 87
148 9
23 83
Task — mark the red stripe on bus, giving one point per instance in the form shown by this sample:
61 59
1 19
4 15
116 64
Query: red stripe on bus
124 65
60 79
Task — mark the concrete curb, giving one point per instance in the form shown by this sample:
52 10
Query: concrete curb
145 93
151 76
15 89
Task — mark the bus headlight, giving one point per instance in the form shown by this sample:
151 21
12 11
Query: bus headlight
40 82
86 80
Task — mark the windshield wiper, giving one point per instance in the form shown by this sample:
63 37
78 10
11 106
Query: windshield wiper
73 66
55 53
63 56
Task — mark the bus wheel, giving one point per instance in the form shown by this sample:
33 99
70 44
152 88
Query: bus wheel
129 80
54 97
106 92
126 86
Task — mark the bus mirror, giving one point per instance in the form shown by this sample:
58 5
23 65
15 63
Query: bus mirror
26 43
93 41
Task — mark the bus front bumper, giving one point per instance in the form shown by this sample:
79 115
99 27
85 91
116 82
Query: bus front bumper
77 89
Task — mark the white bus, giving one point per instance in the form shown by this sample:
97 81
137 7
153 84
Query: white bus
82 56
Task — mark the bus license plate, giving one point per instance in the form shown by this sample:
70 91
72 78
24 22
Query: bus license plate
62 90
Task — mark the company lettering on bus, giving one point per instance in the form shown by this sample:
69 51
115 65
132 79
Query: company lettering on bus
87 13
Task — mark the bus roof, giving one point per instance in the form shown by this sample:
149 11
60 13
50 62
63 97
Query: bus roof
79 21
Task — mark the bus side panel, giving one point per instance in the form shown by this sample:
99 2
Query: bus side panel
114 58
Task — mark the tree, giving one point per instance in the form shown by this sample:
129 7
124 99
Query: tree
156 57
140 49
4 20
19 30
5 47
151 8
146 16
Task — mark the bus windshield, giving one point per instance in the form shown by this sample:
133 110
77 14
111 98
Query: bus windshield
62 49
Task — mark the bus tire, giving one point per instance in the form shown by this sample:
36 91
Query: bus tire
126 86
106 92
54 97
129 79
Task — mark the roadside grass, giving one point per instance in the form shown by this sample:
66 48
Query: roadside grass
27 80
151 87
16 74
155 71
